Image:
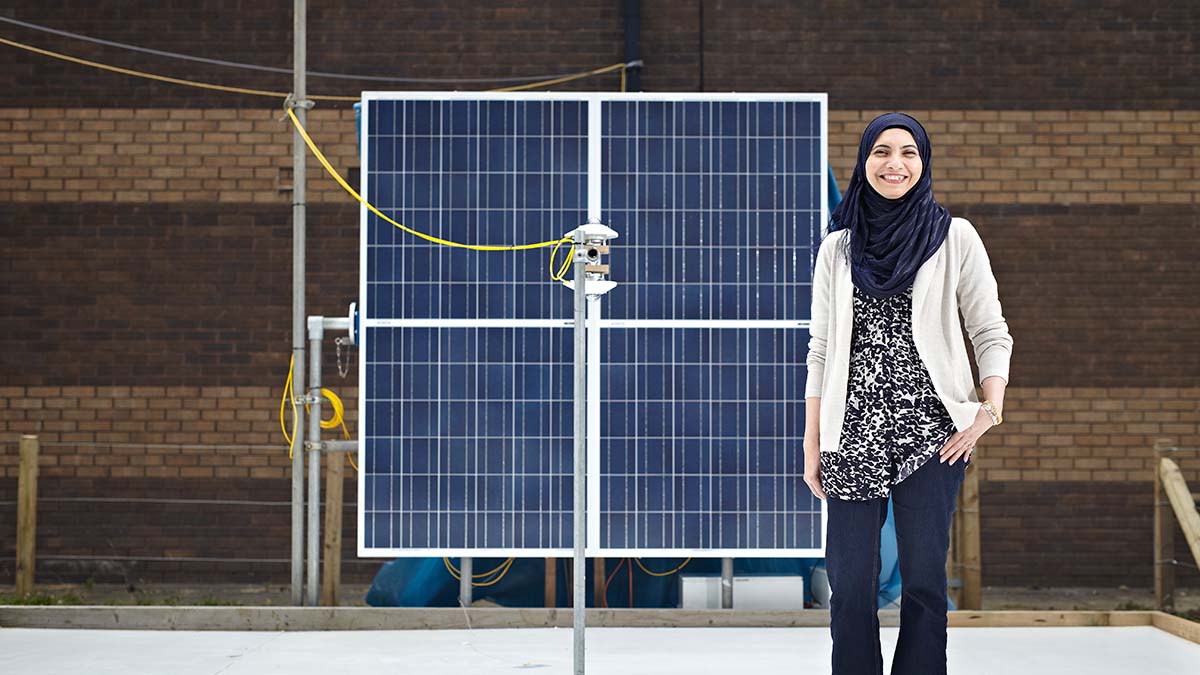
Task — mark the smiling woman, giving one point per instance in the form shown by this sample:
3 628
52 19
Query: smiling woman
890 387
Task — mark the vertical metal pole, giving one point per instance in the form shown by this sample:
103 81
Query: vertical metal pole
726 583
298 179
464 582
312 583
580 529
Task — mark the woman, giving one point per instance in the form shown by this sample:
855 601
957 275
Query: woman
890 386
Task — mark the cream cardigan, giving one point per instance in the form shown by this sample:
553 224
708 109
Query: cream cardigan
958 276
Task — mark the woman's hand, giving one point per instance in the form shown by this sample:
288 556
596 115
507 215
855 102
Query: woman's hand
812 468
962 443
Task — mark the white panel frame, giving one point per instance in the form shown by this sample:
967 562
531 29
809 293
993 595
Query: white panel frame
595 319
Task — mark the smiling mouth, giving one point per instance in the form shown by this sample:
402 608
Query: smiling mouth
894 179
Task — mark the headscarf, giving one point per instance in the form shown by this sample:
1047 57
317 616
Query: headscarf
890 239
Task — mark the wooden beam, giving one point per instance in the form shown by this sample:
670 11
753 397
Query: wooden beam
598 582
331 580
27 478
1182 503
1164 547
551 591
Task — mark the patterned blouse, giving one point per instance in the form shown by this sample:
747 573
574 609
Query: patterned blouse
894 419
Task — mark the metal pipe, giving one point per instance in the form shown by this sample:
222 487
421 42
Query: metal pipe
579 532
313 580
337 446
299 45
335 323
726 583
464 582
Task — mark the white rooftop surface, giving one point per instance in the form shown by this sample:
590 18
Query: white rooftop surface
627 651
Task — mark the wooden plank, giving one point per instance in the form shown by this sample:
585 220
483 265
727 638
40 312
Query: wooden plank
598 582
1181 502
550 593
27 478
1178 626
1164 547
424 618
331 578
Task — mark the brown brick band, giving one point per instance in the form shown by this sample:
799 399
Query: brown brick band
229 155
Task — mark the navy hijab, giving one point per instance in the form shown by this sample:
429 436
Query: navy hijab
890 239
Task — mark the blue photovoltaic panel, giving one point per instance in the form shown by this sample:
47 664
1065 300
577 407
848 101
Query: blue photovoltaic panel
481 172
468 438
466 397
698 355
719 206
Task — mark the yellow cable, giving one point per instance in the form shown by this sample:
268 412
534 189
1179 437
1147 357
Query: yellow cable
334 422
164 78
436 240
313 147
661 574
289 395
502 569
274 94
560 80
566 263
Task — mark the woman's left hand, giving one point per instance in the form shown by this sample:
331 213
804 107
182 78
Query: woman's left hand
963 442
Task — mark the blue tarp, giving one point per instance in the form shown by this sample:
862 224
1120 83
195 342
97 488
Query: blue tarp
425 582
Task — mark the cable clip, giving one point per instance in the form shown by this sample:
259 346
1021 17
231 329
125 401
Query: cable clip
290 103
635 64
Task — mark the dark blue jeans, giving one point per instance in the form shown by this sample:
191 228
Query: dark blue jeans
922 505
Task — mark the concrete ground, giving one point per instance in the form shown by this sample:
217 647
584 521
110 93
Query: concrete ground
629 651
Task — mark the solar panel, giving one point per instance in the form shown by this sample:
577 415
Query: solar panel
718 203
465 374
696 402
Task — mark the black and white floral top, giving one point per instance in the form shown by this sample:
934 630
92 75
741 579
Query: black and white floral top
894 419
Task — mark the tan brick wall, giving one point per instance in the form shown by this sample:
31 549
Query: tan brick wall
1049 434
101 419
228 155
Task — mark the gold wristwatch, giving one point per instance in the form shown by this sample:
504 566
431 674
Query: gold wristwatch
990 408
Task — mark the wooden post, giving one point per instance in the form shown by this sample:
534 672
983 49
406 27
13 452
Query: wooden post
1182 503
331 581
598 582
1164 545
968 544
550 593
26 514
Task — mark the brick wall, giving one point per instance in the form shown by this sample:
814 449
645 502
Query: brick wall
145 286
137 155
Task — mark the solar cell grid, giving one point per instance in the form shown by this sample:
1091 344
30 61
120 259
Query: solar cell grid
696 392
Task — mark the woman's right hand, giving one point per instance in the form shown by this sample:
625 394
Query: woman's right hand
812 468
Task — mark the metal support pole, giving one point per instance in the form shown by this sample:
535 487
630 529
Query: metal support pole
726 583
580 529
464 582
299 28
312 583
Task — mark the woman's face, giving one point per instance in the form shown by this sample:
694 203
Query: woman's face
894 164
